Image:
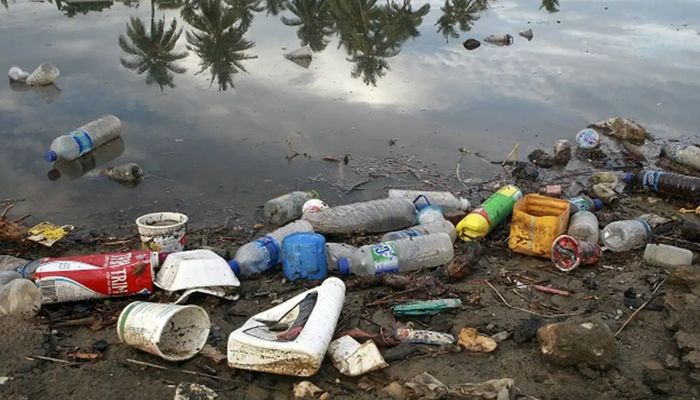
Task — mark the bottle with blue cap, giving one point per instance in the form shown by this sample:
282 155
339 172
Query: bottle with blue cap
430 220
585 203
264 253
395 256
84 139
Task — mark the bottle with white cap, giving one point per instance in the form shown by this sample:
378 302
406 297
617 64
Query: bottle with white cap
621 236
445 200
84 139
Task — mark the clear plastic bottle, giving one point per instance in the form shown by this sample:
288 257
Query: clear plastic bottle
366 217
584 203
445 200
663 255
584 226
399 256
287 207
430 220
44 74
84 139
20 297
683 153
336 251
621 236
264 253
678 185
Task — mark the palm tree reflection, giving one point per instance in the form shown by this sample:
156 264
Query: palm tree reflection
551 6
218 40
459 15
314 20
152 51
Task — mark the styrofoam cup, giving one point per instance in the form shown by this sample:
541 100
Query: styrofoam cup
172 332
163 231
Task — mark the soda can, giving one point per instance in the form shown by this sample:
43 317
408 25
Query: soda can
568 253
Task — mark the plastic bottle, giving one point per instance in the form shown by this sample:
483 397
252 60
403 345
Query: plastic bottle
399 256
481 221
44 74
621 236
584 203
286 208
584 226
663 255
445 200
366 217
264 253
430 220
683 186
20 297
683 153
84 139
336 251
128 172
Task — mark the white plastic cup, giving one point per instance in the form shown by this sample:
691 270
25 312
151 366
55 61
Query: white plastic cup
164 232
175 333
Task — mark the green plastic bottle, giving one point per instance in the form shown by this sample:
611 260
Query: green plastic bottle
491 213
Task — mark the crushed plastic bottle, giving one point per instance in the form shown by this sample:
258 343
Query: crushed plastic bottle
286 208
481 221
682 186
366 217
398 256
584 226
44 74
683 153
20 297
264 253
663 255
621 236
84 139
129 172
445 200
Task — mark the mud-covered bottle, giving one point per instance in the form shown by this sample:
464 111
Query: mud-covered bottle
682 186
683 153
286 208
584 203
621 236
365 217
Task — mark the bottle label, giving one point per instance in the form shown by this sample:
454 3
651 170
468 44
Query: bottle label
268 244
83 140
412 232
385 258
673 151
650 180
580 203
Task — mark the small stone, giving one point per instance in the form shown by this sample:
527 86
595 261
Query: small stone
526 330
395 391
693 359
324 396
472 341
694 377
672 362
100 345
541 158
581 341
194 391
588 372
471 44
306 390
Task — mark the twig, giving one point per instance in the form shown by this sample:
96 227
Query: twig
653 296
356 186
390 297
184 371
530 311
292 149
537 303
514 151
4 212
551 290
57 360
459 167
72 322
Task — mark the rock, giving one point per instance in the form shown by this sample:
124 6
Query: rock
306 390
100 345
578 341
694 377
194 391
527 330
525 172
129 172
562 152
527 34
588 372
255 392
472 341
623 128
656 377
671 361
541 158
693 359
471 44
395 391
683 299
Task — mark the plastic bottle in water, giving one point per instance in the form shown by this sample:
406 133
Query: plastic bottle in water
84 139
584 203
445 200
44 74
621 236
663 255
287 207
264 253
492 212
584 226
683 186
683 153
430 220
366 217
402 255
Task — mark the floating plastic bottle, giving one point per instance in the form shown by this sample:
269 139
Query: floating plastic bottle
621 236
584 226
367 217
682 186
44 74
491 213
683 153
584 203
84 139
398 256
264 253
287 207
445 200
663 255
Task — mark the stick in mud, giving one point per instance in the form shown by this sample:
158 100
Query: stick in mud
184 371
530 311
653 296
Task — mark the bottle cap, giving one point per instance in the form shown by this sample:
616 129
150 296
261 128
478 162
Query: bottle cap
597 204
233 264
344 266
50 156
628 178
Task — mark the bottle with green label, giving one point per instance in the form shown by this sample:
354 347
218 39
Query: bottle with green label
491 213
396 256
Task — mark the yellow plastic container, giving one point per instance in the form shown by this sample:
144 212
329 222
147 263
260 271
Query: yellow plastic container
537 221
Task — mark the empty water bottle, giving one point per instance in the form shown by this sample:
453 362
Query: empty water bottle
584 226
682 186
683 153
336 251
82 140
445 200
663 255
20 297
398 256
584 203
287 207
621 236
264 253
43 75
366 217
430 220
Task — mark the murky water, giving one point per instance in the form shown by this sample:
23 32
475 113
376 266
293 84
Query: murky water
212 109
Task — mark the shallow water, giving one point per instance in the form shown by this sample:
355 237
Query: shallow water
212 129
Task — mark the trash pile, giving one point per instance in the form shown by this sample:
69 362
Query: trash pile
330 250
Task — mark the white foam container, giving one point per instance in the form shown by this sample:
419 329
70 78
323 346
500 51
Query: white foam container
195 269
354 359
167 238
173 332
255 347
